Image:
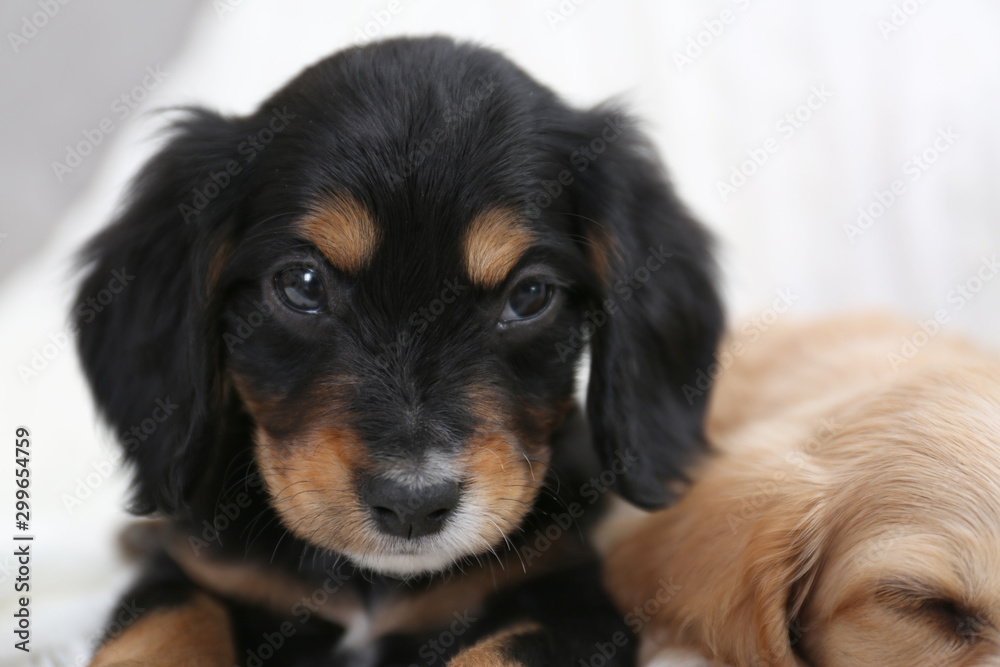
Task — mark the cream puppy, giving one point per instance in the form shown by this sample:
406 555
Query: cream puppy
850 515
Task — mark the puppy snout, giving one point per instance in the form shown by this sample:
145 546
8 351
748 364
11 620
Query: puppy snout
407 511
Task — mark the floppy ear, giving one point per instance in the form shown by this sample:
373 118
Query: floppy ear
145 314
663 319
777 573
727 569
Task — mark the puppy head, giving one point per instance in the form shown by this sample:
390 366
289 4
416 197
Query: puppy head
911 567
390 271
879 545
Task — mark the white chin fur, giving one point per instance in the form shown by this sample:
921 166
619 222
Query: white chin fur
405 565
461 537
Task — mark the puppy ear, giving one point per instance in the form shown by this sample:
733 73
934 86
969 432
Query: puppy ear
662 315
778 571
727 569
144 313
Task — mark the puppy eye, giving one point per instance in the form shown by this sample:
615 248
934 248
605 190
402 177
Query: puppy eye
301 289
528 299
962 623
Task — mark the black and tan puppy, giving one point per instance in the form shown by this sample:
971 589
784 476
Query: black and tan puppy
366 303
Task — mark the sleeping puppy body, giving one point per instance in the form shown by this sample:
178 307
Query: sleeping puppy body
365 303
850 517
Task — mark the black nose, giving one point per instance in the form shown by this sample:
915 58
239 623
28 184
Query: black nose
410 512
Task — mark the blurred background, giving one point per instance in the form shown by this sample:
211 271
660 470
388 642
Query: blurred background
847 155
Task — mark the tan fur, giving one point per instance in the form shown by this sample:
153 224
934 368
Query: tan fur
217 264
492 651
494 243
601 251
412 610
308 460
505 471
255 585
197 633
503 479
343 230
847 501
311 486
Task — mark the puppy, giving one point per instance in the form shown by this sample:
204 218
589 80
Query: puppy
850 517
344 371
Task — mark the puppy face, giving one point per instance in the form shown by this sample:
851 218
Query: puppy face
910 572
389 300
403 407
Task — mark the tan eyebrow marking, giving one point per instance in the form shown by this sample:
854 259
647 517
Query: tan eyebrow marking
216 264
602 251
343 230
495 241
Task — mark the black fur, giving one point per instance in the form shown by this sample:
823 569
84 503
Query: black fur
359 122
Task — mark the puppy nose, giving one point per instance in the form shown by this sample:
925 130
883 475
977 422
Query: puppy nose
406 511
